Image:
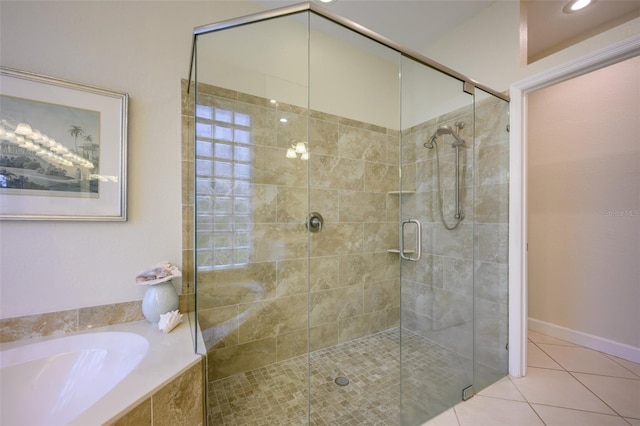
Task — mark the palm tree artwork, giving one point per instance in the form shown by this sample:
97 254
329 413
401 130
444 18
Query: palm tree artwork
76 131
87 145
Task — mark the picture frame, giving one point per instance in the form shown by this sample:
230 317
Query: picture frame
63 149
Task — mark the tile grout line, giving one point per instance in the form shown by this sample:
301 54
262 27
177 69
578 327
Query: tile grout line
615 359
526 400
575 378
594 394
609 357
584 385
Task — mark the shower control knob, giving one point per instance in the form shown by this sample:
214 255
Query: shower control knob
315 222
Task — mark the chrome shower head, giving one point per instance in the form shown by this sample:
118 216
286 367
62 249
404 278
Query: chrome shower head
444 130
431 142
447 130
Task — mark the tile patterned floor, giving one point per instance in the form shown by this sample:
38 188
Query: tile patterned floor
276 395
566 385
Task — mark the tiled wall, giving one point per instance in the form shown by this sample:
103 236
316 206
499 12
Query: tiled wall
464 271
259 313
179 402
256 315
40 325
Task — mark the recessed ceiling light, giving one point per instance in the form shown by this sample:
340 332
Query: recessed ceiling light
576 5
326 1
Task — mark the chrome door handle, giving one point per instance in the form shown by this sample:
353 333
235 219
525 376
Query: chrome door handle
418 240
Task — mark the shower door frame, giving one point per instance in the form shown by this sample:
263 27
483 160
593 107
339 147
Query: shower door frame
468 84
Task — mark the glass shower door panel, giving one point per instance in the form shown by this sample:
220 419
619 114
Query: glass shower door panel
353 284
250 205
492 222
437 290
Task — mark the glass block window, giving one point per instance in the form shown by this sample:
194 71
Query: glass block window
223 190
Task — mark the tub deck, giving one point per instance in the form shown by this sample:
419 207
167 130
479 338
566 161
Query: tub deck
169 356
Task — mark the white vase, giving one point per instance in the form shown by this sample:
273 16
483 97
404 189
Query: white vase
159 299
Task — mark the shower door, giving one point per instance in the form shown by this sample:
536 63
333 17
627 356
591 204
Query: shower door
251 201
437 285
491 235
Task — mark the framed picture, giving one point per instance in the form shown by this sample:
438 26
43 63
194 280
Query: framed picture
63 150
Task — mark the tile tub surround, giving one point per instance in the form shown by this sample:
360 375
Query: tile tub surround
170 374
179 402
56 323
258 314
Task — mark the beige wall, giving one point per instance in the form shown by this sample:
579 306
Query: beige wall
584 201
138 47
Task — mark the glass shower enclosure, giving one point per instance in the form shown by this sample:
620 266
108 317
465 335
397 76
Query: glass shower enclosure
350 232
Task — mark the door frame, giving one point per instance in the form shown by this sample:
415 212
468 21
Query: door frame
519 91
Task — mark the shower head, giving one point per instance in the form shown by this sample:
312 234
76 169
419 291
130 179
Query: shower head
431 143
446 130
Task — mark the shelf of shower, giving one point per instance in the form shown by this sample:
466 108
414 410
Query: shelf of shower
398 251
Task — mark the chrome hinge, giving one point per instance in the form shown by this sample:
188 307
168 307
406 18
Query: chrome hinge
469 87
467 393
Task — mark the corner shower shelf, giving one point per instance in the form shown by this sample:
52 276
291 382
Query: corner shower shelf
398 251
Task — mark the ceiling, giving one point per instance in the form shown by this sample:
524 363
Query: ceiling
416 24
550 30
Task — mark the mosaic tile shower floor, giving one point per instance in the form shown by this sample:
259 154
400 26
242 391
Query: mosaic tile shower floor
277 394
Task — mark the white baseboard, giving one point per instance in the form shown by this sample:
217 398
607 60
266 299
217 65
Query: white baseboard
620 350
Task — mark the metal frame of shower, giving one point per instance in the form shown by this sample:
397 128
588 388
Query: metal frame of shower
468 84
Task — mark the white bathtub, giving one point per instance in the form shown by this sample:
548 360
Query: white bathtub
89 378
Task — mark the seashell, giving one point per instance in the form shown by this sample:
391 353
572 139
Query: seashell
161 272
169 321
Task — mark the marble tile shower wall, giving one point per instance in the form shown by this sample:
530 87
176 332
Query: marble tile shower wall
439 300
348 287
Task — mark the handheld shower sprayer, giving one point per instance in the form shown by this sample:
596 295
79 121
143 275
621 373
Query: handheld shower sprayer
459 171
